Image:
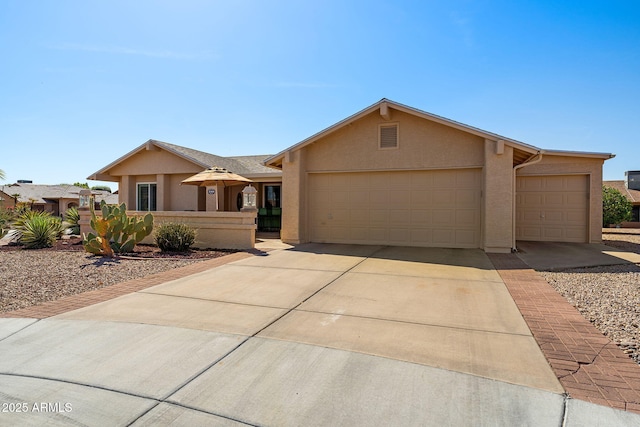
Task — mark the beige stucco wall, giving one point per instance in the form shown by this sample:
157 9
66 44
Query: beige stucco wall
497 205
423 144
168 171
216 230
565 165
293 198
152 162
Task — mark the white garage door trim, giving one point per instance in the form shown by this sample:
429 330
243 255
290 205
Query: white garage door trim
553 208
437 208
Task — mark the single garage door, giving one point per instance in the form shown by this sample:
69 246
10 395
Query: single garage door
407 208
552 208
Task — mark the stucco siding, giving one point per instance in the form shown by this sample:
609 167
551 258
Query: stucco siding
148 162
293 201
498 199
422 145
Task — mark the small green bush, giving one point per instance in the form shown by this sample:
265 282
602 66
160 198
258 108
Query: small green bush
39 230
616 208
174 237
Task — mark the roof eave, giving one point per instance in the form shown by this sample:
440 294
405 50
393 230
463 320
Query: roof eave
150 145
593 155
273 160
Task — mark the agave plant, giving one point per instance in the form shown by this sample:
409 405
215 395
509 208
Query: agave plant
39 229
72 221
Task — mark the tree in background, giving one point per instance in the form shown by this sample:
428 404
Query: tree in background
615 207
102 188
80 184
2 175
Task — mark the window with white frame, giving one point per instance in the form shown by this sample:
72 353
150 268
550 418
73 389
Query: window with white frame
146 196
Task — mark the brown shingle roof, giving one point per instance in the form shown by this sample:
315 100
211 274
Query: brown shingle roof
43 194
632 195
248 166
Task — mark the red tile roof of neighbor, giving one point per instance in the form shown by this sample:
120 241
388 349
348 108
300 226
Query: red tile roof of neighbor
632 195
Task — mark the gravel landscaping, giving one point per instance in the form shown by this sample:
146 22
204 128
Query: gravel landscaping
31 277
608 296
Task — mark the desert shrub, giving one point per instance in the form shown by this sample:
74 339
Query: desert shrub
72 220
174 237
6 217
39 229
616 208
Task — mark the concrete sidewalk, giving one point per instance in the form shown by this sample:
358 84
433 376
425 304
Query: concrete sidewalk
313 335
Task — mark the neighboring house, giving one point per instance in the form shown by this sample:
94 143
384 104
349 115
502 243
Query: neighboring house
394 175
149 179
630 188
6 200
55 199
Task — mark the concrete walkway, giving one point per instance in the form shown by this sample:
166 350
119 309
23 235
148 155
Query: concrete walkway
312 335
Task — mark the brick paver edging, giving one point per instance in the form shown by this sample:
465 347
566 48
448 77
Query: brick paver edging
589 366
73 302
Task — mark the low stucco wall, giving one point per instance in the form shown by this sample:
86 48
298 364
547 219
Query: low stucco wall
216 230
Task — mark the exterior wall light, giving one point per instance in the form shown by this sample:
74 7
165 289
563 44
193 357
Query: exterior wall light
249 199
85 199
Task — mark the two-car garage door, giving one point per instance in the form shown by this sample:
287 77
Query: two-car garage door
438 208
552 208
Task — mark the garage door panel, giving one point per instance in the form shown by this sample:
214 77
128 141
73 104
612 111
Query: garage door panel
551 217
421 236
378 217
359 181
575 199
398 217
574 233
466 198
466 238
466 178
341 199
398 179
379 198
553 199
444 197
552 208
466 217
420 217
358 198
419 208
358 234
421 182
553 184
421 199
399 196
399 236
443 217
577 217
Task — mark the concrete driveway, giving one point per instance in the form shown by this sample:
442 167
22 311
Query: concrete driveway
315 335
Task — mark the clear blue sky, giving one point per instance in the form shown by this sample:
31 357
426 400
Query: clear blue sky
84 82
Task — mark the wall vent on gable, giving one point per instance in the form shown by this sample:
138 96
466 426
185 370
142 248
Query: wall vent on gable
388 137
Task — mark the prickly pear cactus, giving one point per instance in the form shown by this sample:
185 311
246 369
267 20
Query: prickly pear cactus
115 232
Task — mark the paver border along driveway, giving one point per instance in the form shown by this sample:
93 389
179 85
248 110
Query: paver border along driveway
315 335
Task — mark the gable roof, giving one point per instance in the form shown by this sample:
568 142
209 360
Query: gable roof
247 166
522 151
632 195
44 194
